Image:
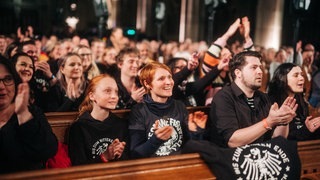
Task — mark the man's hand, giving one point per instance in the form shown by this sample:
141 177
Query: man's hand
284 114
44 67
137 94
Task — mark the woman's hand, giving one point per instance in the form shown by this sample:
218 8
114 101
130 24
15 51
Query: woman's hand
72 92
114 150
163 133
312 123
197 119
22 102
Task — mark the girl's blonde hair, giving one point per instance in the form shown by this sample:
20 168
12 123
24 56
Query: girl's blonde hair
61 78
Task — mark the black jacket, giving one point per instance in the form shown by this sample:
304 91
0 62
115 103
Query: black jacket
27 146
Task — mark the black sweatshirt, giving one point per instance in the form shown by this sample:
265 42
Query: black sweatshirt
89 138
27 146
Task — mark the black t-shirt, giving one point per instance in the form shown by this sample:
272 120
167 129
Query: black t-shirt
142 127
27 146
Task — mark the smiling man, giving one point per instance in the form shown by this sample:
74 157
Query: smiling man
240 113
130 92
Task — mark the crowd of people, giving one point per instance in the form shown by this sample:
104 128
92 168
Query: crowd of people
255 94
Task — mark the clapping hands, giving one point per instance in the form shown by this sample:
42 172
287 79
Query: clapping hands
197 119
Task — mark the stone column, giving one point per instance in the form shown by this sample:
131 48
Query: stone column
269 23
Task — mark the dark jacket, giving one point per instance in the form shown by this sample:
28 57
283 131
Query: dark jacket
27 146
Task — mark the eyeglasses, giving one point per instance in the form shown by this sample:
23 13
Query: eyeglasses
7 80
83 55
179 67
30 52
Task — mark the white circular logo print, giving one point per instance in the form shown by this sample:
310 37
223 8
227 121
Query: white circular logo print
260 161
174 143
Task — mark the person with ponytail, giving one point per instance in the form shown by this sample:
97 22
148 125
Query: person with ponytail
98 135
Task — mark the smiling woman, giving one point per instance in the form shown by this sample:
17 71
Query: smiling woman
68 93
26 137
159 125
24 65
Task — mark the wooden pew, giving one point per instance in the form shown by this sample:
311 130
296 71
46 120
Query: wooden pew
61 121
187 166
309 153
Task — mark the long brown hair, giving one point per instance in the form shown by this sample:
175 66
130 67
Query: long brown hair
61 78
86 104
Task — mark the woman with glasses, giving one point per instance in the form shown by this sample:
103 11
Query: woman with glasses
90 68
26 137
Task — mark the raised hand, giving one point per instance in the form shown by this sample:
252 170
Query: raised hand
224 61
22 102
245 27
137 94
44 67
194 61
233 28
299 46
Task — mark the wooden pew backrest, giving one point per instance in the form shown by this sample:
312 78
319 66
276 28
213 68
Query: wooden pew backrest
309 153
61 121
187 166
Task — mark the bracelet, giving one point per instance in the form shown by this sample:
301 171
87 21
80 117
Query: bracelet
52 77
248 48
266 125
